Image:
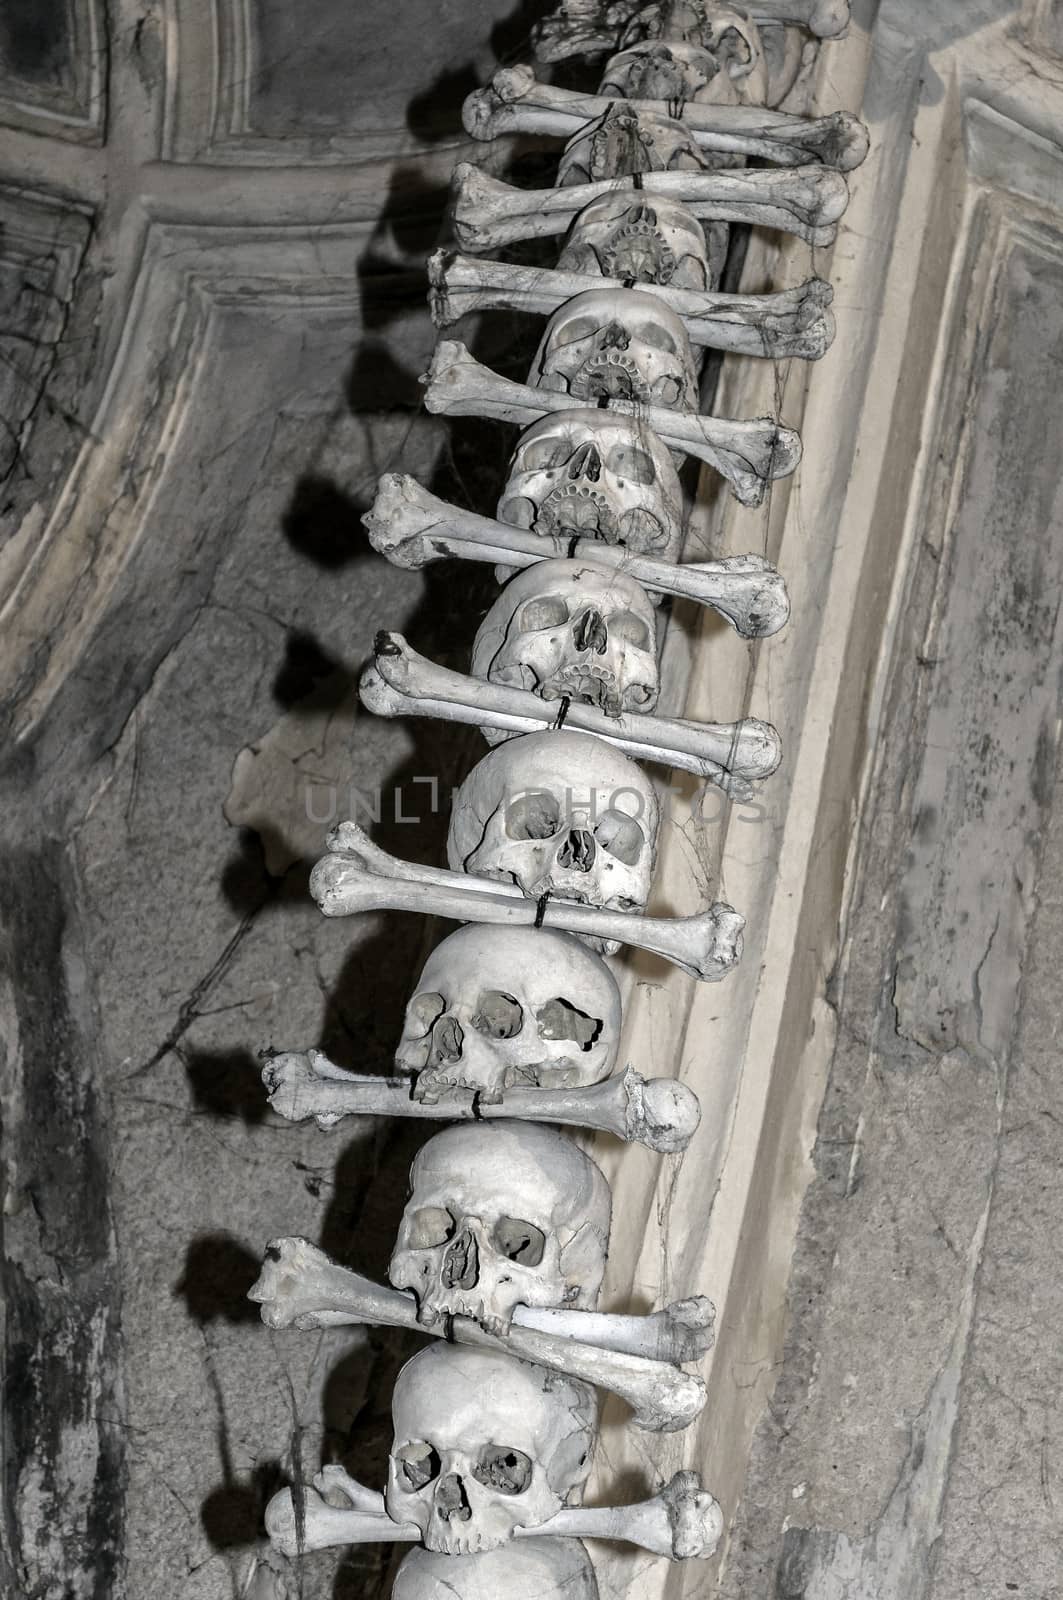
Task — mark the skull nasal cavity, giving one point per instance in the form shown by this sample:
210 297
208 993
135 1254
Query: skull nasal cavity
615 337
578 851
586 463
461 1262
590 633
452 1503
447 1038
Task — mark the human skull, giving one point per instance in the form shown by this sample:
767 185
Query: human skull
485 1444
590 474
558 813
642 240
500 1215
724 32
623 141
528 1569
571 630
617 344
498 1006
665 70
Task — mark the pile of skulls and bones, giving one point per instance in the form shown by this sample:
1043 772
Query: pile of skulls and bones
513 1030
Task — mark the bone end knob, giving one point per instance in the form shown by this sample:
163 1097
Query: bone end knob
661 1113
695 1517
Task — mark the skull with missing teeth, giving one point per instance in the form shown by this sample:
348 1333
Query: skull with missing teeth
562 814
501 1215
485 1444
497 1007
623 141
589 474
571 630
533 1569
617 344
736 68
643 240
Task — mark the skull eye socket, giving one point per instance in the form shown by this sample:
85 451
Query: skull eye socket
431 1226
636 466
621 836
500 1467
498 1015
519 1241
657 337
423 1011
539 455
418 1464
629 629
560 1019
545 611
534 815
572 332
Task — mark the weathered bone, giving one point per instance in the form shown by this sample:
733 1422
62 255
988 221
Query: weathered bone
300 1287
827 19
793 322
658 1112
358 875
515 102
748 454
411 527
682 1522
593 27
401 683
806 201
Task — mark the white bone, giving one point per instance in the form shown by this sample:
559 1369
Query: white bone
300 1287
682 1522
793 322
399 682
748 454
358 876
827 19
806 201
514 102
411 527
593 27
658 1112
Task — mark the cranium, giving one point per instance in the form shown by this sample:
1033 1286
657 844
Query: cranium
572 630
560 814
485 1444
617 343
724 32
502 1007
590 474
533 1569
624 141
641 239
498 1217
670 71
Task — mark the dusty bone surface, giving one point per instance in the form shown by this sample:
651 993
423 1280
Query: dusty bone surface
624 141
617 343
538 1569
575 28
624 236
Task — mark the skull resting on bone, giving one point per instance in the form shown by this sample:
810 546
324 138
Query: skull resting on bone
571 630
669 70
528 1569
498 1006
623 141
485 1444
558 813
617 344
723 32
501 1215
590 474
643 240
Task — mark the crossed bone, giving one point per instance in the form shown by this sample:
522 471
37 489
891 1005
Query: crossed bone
411 527
581 29
399 682
515 102
660 1113
682 1522
806 201
357 875
792 322
633 1357
748 454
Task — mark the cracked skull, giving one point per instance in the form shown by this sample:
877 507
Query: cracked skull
485 1444
571 630
623 141
562 814
641 240
725 34
498 1006
501 1215
590 474
533 1569
610 344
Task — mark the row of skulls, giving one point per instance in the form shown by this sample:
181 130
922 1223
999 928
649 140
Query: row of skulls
506 1217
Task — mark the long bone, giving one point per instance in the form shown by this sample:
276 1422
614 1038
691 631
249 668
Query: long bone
792 322
357 876
581 28
301 1287
660 1113
515 102
806 201
748 454
682 1522
411 527
401 683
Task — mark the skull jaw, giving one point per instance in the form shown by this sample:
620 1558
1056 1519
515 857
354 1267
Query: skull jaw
500 1288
